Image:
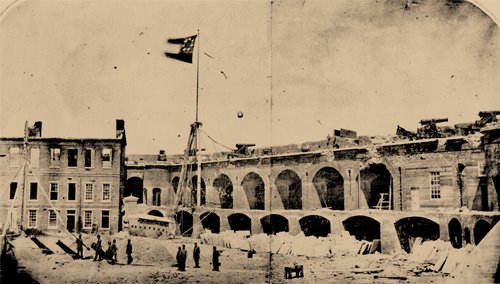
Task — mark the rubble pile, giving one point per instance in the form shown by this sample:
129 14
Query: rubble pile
437 255
286 244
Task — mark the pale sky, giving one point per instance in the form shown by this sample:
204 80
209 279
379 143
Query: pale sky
363 65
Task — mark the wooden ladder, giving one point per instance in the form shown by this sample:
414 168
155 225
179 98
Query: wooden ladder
384 202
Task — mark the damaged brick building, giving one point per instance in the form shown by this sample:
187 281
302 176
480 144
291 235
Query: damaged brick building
73 183
345 182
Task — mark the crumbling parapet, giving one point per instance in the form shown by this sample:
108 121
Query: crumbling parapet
491 144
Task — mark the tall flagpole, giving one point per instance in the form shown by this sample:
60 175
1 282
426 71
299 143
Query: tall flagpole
198 125
197 75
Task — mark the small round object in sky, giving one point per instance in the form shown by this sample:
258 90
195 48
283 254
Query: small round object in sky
240 114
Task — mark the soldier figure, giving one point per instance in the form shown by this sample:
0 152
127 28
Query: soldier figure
178 257
98 248
183 257
79 246
114 251
129 252
215 259
196 255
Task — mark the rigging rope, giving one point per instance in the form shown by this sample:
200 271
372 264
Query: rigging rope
213 140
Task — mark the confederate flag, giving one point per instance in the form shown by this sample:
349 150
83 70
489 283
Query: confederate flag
186 51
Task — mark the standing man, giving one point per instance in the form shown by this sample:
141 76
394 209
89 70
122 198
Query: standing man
79 246
98 248
129 252
215 259
178 257
196 255
184 257
114 250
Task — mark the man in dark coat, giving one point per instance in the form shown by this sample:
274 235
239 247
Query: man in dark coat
129 252
98 248
79 246
183 257
178 257
114 251
196 255
215 259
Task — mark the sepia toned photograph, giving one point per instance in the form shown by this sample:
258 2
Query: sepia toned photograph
250 141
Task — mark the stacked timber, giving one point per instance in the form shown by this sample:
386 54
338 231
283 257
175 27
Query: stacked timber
438 255
286 244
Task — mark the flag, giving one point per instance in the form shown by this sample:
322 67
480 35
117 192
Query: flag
186 50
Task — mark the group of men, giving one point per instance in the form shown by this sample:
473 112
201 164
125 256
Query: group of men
110 254
182 257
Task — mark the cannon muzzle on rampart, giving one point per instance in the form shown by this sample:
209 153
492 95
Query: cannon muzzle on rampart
489 113
433 120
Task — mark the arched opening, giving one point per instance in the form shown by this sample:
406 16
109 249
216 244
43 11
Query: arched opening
289 187
134 186
156 197
467 235
413 227
239 222
481 229
274 223
253 185
175 183
210 221
375 181
461 182
496 184
455 233
194 197
330 187
224 186
185 221
155 213
362 227
314 225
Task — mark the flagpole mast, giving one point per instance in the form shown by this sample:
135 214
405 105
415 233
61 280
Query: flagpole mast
198 125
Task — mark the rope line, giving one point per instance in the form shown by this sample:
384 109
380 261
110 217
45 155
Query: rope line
232 149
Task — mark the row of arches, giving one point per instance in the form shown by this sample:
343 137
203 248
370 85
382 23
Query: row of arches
328 182
361 227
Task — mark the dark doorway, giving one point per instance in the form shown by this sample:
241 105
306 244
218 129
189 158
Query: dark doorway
134 186
455 233
289 187
412 227
175 183
156 196
224 187
253 185
467 235
71 220
330 187
314 225
375 180
194 186
240 222
210 221
185 222
362 227
274 223
155 213
481 229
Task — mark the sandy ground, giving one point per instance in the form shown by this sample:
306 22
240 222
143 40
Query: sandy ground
154 262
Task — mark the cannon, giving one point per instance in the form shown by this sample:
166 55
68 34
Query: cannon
432 121
429 128
487 117
471 127
241 150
